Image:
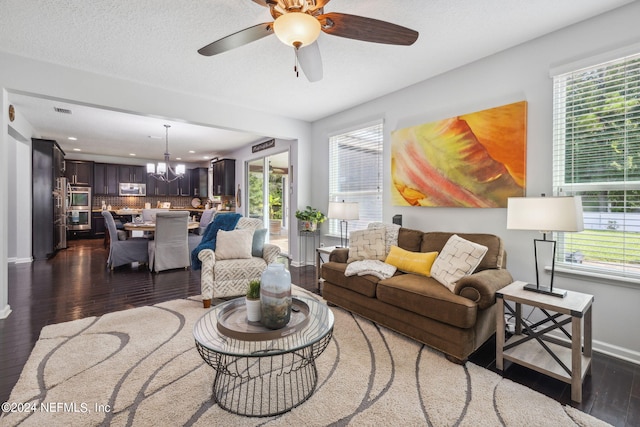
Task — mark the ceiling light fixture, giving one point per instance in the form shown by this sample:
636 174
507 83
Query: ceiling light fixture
164 170
297 29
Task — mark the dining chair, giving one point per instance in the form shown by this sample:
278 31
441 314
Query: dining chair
123 250
169 248
149 215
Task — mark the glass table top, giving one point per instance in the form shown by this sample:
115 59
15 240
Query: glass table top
208 331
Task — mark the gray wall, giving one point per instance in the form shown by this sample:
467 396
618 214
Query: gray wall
520 73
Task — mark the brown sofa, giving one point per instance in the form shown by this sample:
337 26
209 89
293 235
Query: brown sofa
456 323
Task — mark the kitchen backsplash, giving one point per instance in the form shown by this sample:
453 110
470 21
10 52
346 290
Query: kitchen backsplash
119 202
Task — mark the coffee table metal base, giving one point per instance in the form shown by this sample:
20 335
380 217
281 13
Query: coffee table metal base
264 385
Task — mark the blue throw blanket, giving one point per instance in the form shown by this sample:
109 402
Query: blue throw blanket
226 222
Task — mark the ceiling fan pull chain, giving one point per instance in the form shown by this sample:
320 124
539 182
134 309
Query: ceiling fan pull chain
295 65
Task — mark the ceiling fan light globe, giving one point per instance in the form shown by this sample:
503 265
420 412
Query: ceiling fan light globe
296 29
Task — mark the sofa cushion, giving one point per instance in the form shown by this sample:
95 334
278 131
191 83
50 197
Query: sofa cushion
411 262
410 240
367 244
234 244
494 258
334 272
426 297
458 258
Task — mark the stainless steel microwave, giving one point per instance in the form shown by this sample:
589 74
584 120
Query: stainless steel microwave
133 189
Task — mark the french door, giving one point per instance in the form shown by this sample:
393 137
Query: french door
268 195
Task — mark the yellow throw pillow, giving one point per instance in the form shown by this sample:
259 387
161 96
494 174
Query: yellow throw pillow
411 262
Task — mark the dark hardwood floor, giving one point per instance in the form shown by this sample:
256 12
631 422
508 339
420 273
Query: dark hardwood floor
75 284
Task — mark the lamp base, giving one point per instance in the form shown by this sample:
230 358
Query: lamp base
560 293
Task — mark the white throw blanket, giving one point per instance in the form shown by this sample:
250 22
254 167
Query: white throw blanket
370 266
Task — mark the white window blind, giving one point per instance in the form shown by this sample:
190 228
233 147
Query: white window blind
355 173
596 154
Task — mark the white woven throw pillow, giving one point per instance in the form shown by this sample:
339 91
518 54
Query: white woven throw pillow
367 244
458 258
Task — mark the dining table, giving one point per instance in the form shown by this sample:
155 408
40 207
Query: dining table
151 226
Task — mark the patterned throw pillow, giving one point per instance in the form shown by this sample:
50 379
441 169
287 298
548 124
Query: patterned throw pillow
391 234
234 244
367 244
458 258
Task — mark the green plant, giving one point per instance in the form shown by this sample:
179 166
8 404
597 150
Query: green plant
253 291
275 203
311 214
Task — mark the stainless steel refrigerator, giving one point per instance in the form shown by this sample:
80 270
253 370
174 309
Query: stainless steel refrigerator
61 197
48 199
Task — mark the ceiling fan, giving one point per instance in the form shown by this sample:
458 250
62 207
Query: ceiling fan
298 23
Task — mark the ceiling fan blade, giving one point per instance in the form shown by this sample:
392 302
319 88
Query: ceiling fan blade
238 39
310 61
366 29
261 2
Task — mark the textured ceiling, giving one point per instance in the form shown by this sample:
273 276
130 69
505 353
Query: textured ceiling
156 42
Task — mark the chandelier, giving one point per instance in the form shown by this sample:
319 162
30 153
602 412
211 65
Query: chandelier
164 171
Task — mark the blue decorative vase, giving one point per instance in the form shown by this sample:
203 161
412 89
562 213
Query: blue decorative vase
275 296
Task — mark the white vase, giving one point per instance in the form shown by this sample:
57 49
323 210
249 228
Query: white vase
254 312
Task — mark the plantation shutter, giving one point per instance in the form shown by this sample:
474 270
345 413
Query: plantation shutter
355 173
596 154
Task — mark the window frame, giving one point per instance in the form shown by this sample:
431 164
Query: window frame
623 268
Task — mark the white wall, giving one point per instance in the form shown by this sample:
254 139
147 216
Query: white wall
520 73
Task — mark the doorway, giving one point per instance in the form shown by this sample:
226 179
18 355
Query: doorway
268 196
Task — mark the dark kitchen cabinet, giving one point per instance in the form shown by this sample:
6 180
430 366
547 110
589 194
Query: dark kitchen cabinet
200 182
224 177
98 226
105 179
156 188
130 173
180 187
79 172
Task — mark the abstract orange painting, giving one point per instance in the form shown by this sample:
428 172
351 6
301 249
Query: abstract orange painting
476 160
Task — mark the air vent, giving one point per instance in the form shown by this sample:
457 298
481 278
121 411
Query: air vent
62 110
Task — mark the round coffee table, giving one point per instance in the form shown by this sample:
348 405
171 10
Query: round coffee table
261 372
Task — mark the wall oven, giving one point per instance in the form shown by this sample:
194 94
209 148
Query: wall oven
79 213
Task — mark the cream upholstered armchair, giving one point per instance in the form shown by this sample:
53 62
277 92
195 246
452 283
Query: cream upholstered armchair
230 277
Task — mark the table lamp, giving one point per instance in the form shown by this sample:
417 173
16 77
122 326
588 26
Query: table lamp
545 214
344 211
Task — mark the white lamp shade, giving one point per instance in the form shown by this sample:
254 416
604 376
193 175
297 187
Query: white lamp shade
343 210
545 213
180 169
162 167
151 168
296 28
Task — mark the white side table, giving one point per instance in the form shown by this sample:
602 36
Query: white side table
563 361
323 250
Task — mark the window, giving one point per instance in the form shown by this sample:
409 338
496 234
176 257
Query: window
596 154
355 173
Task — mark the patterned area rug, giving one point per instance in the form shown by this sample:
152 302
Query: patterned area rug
140 367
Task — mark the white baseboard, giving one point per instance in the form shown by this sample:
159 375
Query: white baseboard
22 260
606 348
